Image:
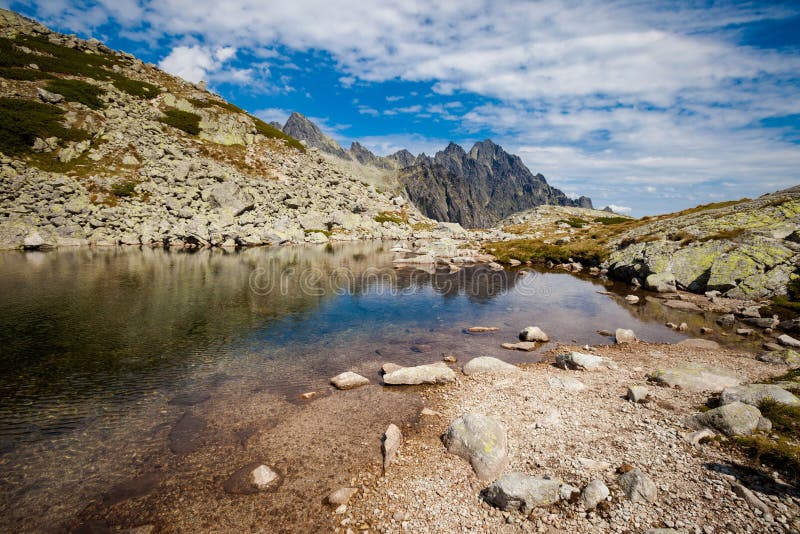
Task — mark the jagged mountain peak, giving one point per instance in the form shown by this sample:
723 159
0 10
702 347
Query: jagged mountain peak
301 127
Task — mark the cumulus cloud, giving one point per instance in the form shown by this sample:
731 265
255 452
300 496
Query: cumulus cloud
603 97
198 63
273 114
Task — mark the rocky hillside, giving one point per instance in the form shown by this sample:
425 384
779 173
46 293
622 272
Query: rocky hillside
475 188
99 148
743 249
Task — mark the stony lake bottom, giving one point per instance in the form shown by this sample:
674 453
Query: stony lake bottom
133 382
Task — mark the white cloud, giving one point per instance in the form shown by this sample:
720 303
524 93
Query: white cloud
199 63
620 209
603 97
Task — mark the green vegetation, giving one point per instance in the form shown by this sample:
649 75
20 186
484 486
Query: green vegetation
182 120
326 233
423 226
13 73
22 121
537 251
77 91
704 207
124 189
781 452
574 222
196 102
612 220
136 88
270 131
395 217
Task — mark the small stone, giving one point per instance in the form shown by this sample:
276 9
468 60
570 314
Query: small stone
624 336
427 412
566 383
450 359
706 330
594 492
583 362
309 394
518 491
533 333
697 436
745 331
726 320
349 380
638 486
683 327
637 394
526 346
481 329
252 478
632 299
434 373
391 443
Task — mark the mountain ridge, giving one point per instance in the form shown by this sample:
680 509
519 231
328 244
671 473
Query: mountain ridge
476 188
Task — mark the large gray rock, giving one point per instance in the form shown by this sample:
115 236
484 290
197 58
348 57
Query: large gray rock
661 282
434 373
521 492
638 487
227 197
583 362
481 440
696 377
533 333
349 380
753 394
735 419
487 364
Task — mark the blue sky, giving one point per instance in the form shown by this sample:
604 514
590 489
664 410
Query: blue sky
644 105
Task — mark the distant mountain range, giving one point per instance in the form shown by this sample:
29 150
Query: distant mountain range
475 188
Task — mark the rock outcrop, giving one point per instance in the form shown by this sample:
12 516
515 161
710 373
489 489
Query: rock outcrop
741 249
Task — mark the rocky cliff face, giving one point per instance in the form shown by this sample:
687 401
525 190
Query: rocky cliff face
476 188
479 187
748 249
99 148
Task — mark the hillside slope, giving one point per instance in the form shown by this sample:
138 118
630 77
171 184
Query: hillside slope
98 148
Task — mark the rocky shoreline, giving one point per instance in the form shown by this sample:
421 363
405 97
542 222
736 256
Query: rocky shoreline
592 439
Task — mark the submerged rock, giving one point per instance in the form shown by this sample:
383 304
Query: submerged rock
252 478
526 346
341 495
434 373
487 364
188 434
481 440
349 380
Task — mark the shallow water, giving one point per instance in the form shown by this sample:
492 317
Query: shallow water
104 352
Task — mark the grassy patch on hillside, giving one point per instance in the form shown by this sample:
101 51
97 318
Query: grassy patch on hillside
183 120
396 217
587 252
781 450
54 58
22 121
731 233
15 73
612 220
136 88
124 189
574 222
270 131
77 91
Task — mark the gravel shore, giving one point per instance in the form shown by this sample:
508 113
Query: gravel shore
579 436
